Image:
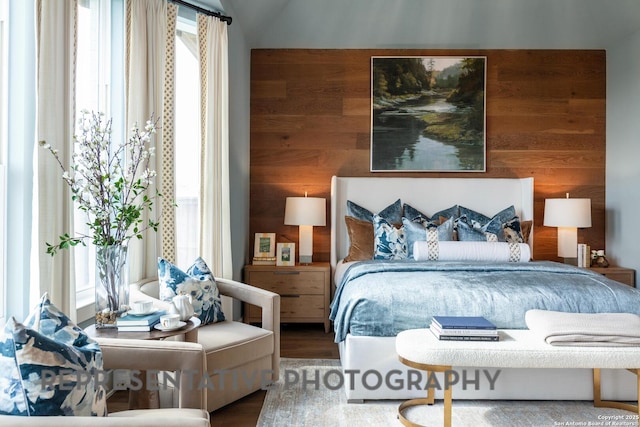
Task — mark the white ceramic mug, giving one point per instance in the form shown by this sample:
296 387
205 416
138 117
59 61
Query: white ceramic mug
142 306
170 320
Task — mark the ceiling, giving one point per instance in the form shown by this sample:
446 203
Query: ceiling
452 24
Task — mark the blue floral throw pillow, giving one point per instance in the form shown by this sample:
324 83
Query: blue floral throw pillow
389 242
197 281
50 367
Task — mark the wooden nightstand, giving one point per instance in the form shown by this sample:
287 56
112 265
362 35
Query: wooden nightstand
304 292
619 274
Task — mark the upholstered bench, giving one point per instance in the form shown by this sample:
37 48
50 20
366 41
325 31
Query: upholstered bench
420 349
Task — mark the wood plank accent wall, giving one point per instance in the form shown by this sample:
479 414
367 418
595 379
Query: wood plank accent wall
310 120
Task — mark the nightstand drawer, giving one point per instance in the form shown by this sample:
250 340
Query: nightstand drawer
296 307
289 282
304 292
626 278
619 274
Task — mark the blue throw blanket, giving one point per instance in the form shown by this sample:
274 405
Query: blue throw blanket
383 298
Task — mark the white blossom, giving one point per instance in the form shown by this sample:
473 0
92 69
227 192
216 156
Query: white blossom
112 198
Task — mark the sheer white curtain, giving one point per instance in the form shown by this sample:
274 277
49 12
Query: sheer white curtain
148 32
56 24
215 234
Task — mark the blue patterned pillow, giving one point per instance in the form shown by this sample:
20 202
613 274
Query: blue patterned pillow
467 233
392 213
512 231
502 227
390 243
49 366
197 281
419 230
478 220
412 213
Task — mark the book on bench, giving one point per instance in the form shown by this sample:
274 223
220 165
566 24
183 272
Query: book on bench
463 322
463 328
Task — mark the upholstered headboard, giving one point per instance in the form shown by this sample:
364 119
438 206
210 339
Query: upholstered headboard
429 195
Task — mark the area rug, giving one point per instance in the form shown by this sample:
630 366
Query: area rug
297 401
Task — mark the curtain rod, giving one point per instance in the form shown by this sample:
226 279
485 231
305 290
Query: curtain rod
223 18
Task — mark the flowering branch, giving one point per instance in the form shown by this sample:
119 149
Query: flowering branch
113 196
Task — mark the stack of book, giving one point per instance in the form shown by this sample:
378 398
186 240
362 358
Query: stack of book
584 255
463 328
133 323
264 260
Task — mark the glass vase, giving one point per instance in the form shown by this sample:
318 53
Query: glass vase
112 284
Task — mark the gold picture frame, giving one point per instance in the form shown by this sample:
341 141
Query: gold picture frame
264 245
286 254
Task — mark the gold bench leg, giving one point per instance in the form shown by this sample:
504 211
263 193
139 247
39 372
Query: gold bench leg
597 396
447 398
430 399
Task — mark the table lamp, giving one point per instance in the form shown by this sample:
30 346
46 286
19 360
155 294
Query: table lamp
305 212
568 215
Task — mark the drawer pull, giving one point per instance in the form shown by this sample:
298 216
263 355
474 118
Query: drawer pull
288 273
289 296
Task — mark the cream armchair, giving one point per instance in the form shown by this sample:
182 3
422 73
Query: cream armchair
241 358
144 355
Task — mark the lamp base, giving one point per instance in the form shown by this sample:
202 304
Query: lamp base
306 244
571 261
305 259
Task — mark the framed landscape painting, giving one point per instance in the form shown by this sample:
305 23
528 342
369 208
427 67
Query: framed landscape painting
428 114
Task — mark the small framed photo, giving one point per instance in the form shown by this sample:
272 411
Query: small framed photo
265 245
286 255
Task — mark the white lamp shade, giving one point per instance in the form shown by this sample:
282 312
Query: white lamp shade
305 211
567 213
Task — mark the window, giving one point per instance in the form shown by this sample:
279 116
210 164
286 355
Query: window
99 87
187 142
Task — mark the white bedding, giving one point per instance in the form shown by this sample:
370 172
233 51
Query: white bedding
340 269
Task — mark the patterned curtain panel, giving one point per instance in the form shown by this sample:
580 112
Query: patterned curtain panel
56 34
150 36
215 232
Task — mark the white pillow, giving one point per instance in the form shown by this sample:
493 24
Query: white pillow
471 251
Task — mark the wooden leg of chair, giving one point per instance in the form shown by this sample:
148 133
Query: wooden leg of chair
144 398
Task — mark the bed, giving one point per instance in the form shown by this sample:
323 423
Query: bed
373 300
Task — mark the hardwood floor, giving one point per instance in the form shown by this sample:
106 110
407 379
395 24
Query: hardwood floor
306 341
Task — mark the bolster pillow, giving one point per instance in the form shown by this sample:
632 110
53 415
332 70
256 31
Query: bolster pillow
471 251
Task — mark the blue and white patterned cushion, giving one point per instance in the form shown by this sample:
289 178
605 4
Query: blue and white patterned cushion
478 220
467 233
502 227
390 243
424 230
392 213
412 213
197 281
512 231
49 366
